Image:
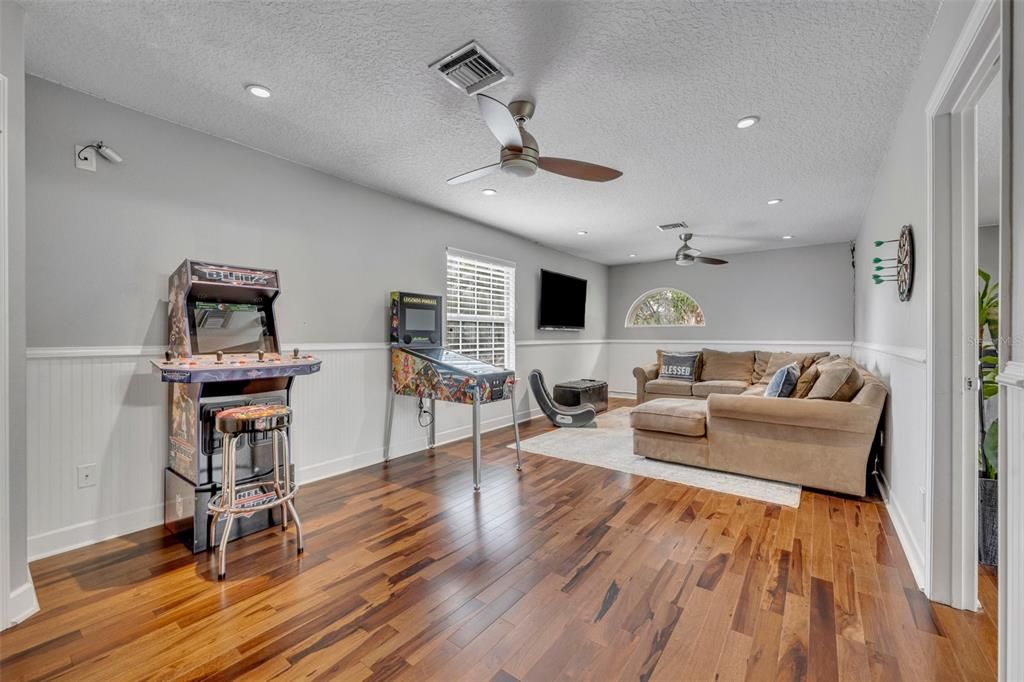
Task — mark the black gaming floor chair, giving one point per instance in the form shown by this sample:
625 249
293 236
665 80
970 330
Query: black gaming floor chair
560 415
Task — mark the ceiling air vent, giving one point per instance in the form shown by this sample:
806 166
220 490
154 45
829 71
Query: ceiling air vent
671 227
471 69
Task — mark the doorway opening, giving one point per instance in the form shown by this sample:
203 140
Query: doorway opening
990 353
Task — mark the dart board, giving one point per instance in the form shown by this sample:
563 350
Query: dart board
905 263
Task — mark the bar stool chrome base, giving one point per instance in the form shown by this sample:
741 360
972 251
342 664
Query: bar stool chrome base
279 492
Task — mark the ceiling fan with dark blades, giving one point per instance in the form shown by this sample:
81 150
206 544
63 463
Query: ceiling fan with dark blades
520 153
689 255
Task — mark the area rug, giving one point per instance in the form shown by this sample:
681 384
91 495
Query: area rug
610 445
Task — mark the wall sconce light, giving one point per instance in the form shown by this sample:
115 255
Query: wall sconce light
85 160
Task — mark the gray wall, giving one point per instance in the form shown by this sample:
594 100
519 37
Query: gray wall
102 244
988 250
12 65
794 294
901 197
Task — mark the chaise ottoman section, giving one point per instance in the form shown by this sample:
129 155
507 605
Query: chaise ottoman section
671 430
671 415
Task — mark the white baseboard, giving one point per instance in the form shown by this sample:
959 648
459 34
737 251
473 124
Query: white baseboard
915 557
92 531
358 460
97 530
22 603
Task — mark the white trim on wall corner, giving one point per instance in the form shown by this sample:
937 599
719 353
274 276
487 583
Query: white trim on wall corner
562 342
22 602
46 353
753 344
915 557
912 353
53 353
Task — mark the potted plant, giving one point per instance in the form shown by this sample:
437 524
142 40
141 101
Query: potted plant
988 419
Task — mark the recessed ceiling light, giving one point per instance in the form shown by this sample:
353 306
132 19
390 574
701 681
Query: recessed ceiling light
489 192
747 122
582 233
772 202
787 236
632 255
256 90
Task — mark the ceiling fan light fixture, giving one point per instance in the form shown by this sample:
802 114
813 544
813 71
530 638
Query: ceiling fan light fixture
774 202
787 236
257 90
521 168
747 122
489 192
632 255
582 233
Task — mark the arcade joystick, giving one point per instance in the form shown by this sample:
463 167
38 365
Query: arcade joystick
261 354
168 355
220 357
295 353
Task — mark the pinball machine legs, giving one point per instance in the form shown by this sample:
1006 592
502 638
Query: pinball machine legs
431 428
515 427
388 416
476 442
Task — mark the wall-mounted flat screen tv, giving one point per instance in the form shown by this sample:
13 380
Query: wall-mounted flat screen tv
563 301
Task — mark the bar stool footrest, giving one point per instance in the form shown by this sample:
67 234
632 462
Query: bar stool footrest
266 499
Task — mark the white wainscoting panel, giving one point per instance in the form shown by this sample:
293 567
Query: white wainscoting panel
106 406
625 354
905 474
1011 525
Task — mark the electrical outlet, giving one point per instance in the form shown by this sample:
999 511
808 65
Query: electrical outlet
86 475
85 160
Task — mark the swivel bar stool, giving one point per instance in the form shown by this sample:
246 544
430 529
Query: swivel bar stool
239 422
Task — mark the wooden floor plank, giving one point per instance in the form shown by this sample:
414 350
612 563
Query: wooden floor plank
562 571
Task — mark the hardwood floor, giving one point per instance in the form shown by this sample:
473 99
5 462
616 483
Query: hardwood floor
565 571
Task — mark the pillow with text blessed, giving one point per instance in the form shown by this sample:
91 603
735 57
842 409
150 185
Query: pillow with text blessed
681 366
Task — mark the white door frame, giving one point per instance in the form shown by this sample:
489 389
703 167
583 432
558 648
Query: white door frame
5 386
952 310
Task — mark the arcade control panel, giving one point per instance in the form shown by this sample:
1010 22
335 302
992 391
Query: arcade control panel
233 366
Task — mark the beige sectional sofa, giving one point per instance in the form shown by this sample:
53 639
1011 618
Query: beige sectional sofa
822 441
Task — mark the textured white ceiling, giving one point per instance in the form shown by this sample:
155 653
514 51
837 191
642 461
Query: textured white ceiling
651 88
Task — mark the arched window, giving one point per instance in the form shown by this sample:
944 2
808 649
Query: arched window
665 307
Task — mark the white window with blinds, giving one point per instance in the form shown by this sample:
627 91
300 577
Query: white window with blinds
481 307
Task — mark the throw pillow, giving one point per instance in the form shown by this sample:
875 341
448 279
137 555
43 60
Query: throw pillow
836 382
814 358
680 366
779 360
719 366
806 382
783 382
761 358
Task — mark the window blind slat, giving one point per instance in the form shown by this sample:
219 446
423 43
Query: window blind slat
480 306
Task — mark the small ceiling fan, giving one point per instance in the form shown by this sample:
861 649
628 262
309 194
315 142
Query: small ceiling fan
689 255
520 153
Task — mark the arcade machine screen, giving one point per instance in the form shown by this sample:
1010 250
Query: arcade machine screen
420 319
232 328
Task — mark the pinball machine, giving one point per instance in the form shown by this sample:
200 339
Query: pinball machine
223 352
422 368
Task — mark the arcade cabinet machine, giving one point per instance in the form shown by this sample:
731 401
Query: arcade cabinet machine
223 352
423 368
